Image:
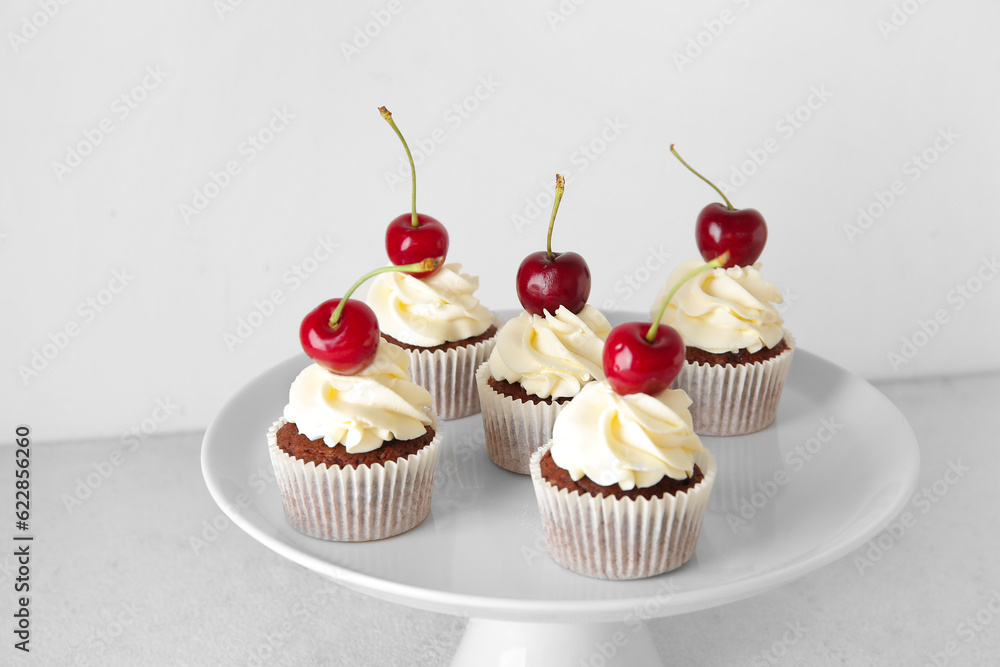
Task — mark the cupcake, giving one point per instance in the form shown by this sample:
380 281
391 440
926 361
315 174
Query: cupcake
354 455
433 315
443 328
623 484
539 363
737 352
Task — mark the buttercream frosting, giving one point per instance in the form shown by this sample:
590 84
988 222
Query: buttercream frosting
360 411
633 441
723 310
552 355
429 311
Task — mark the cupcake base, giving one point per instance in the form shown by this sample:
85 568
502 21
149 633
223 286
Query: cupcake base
448 372
514 429
611 538
355 503
735 399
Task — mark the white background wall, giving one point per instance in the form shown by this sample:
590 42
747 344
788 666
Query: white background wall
559 76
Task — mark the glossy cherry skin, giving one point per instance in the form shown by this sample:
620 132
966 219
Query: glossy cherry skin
406 244
545 284
633 365
742 232
347 348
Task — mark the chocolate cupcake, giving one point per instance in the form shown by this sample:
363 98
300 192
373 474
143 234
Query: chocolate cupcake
539 364
443 328
623 485
737 354
354 455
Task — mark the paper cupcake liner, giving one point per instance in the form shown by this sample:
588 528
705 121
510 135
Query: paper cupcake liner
735 400
625 538
514 429
449 375
355 503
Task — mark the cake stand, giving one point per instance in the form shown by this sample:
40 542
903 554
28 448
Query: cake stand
779 510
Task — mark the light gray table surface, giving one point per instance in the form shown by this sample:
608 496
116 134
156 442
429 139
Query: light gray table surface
117 580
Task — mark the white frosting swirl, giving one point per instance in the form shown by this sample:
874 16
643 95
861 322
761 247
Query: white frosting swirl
428 311
551 355
723 310
360 411
633 441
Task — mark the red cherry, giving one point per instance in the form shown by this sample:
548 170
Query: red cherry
640 357
634 365
341 335
545 283
741 232
546 280
414 236
406 244
348 346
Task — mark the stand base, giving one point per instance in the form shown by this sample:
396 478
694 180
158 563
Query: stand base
489 643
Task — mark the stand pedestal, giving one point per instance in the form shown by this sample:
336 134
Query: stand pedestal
490 643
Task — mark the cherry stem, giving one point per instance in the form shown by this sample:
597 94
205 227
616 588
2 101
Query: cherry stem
714 264
729 204
428 264
413 170
560 188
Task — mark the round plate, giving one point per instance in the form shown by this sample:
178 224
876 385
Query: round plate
837 466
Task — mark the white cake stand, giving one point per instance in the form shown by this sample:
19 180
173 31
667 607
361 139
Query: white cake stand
838 465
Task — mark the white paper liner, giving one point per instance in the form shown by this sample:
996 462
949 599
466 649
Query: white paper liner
449 375
514 429
625 538
355 503
735 400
